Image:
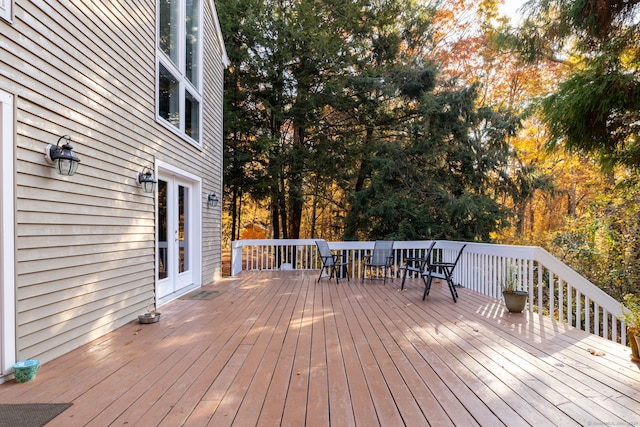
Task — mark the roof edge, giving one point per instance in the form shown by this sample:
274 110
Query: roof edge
216 22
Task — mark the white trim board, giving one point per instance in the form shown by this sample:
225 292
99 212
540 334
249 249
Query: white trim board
7 241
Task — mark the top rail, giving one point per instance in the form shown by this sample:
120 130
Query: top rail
555 289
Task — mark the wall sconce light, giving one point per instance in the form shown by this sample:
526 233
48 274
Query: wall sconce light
212 200
146 179
63 159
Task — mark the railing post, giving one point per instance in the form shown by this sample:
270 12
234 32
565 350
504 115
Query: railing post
236 258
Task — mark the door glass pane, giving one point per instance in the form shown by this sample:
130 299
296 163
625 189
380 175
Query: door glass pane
192 40
183 229
169 97
163 268
169 25
192 112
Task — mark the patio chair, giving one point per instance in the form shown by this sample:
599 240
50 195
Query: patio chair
417 265
443 271
331 262
380 257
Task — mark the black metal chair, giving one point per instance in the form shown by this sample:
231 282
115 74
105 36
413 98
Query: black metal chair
331 262
380 257
444 271
417 265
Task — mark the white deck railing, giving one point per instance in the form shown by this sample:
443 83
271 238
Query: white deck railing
555 289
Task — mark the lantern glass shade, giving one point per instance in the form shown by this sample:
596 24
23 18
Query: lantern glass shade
212 200
64 160
147 181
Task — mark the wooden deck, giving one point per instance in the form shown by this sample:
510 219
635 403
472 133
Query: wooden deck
278 349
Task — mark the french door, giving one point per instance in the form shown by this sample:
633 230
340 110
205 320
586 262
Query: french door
177 253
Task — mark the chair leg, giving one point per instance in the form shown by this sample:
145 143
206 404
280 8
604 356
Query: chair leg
320 276
334 272
427 286
404 277
452 289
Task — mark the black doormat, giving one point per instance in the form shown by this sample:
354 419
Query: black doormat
201 295
30 414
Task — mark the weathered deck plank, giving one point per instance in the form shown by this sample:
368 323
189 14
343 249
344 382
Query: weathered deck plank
280 349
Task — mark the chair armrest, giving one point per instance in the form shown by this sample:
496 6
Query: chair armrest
442 264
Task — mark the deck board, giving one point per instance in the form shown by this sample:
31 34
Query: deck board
277 348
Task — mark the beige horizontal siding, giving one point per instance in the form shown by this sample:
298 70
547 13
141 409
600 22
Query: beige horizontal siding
78 331
32 298
58 313
212 176
85 245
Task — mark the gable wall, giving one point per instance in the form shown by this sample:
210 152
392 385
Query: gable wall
85 245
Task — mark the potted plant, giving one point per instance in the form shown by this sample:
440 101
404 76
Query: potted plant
631 316
514 298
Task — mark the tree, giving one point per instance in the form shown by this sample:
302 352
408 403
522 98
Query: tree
596 109
293 81
344 98
438 177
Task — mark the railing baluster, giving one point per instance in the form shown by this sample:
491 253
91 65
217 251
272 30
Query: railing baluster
578 310
569 305
540 301
560 300
552 280
587 314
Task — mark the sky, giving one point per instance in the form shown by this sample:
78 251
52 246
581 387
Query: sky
510 7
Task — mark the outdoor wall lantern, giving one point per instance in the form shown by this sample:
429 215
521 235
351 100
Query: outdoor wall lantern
146 179
212 200
63 159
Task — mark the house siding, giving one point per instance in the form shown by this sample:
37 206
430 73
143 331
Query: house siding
213 146
85 245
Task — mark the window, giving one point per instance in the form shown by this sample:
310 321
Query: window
5 9
179 92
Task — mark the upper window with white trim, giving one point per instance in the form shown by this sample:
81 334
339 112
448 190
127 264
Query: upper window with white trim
5 9
179 88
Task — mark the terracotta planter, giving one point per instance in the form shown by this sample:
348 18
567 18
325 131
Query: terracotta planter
515 301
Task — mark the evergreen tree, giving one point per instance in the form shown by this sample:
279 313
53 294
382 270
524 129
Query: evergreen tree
333 104
596 109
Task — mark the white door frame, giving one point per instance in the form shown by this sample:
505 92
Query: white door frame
7 242
195 211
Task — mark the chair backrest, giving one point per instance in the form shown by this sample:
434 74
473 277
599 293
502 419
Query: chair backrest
382 252
426 259
459 254
325 252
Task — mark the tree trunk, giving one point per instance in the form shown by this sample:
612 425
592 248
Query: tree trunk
234 213
296 181
275 214
239 214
